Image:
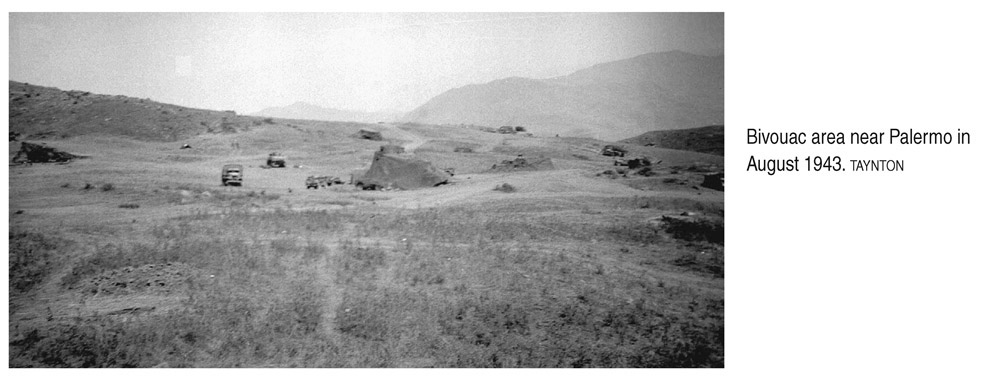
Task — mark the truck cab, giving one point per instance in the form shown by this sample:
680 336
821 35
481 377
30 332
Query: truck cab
276 160
232 174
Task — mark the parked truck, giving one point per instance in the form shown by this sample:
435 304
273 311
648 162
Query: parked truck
232 175
276 160
321 181
614 150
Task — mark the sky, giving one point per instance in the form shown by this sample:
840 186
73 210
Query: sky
358 61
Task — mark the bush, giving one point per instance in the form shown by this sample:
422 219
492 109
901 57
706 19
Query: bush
107 187
710 262
695 230
31 256
130 206
68 346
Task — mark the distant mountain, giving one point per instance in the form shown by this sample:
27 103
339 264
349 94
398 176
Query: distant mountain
305 111
610 101
710 139
38 112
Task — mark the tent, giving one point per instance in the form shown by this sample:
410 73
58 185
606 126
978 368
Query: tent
402 172
369 134
36 153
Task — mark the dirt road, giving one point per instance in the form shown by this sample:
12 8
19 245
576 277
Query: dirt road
413 141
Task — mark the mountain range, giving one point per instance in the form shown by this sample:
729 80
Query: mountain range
610 101
306 111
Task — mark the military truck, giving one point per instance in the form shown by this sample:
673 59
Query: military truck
614 150
321 181
232 174
276 160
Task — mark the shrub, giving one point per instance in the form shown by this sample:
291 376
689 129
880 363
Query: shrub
695 230
710 262
68 346
108 187
625 231
31 256
130 206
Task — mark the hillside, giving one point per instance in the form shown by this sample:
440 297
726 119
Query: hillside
610 101
305 111
136 255
45 112
710 139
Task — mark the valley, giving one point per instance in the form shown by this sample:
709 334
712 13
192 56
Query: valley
137 256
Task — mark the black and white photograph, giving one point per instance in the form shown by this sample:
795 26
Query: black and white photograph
509 192
366 190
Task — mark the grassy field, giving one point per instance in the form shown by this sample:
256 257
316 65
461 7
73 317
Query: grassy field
136 257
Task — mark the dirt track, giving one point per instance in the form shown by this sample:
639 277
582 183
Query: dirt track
412 141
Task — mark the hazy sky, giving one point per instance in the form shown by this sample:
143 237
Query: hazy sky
361 61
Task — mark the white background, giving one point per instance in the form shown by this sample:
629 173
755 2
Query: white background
856 276
847 277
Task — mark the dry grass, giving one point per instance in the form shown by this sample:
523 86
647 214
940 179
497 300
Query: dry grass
373 287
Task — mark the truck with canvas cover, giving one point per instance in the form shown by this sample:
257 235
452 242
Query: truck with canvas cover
232 175
321 181
276 160
614 150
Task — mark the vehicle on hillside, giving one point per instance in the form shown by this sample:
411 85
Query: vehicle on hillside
614 150
232 175
276 160
321 181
